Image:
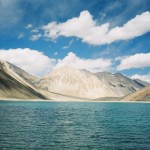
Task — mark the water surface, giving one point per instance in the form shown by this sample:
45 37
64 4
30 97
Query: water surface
74 126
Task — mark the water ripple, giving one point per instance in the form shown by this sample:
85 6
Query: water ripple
74 126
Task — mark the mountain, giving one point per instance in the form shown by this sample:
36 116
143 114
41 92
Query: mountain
140 95
119 83
142 82
73 82
84 84
23 74
15 83
65 83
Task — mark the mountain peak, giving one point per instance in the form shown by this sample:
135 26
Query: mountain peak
66 67
70 81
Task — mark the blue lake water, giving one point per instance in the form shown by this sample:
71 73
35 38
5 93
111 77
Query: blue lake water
74 126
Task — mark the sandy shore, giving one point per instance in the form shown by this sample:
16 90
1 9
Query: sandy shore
76 100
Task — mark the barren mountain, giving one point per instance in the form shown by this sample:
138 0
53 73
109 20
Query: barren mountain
14 85
119 83
142 82
20 72
83 84
140 95
64 83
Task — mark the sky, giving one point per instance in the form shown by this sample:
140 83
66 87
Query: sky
100 35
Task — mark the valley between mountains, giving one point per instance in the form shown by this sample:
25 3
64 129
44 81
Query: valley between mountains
69 84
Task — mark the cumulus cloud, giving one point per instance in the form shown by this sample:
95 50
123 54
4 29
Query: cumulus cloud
142 77
140 60
32 61
37 63
93 65
87 29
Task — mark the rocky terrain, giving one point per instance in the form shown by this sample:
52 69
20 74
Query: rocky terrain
69 84
15 83
140 95
84 84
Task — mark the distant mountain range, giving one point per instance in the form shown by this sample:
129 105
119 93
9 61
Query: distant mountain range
66 83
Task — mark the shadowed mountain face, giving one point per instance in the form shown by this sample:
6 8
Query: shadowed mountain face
142 82
81 83
13 85
23 74
119 83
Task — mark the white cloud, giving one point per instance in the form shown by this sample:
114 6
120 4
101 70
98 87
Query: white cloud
142 77
32 61
89 31
35 37
37 63
35 30
133 28
29 26
140 60
93 65
21 35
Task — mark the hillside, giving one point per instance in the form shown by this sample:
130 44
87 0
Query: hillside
65 83
140 95
83 84
13 85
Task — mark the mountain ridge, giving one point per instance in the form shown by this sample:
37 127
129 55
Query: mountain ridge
13 86
81 83
65 83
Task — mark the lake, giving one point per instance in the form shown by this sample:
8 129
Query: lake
74 126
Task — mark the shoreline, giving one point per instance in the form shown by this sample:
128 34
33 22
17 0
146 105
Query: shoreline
77 101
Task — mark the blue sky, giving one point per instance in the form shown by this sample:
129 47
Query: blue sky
99 35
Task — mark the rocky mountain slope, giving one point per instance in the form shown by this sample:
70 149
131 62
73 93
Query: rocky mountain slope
15 83
142 82
64 83
23 74
83 84
119 83
140 95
